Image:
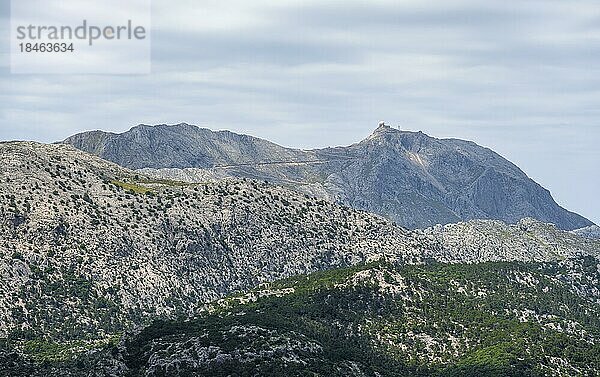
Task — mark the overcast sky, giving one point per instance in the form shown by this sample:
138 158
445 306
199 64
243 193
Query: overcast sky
521 77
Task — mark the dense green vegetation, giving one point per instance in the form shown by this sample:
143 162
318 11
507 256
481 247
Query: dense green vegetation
490 319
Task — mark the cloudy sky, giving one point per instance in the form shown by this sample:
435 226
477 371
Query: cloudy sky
520 77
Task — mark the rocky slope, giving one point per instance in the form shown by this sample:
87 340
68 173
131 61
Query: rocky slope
491 240
413 179
88 248
381 319
180 146
592 231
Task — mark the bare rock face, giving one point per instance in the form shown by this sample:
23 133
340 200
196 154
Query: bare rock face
408 177
178 147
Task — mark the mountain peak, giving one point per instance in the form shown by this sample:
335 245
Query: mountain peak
409 177
382 129
176 126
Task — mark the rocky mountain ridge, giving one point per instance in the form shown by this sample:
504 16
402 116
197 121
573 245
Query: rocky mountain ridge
529 240
592 231
411 178
88 249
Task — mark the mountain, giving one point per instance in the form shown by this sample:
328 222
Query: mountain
379 319
592 231
88 249
180 146
408 177
91 251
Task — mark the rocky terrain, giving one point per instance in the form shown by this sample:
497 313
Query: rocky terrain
380 319
491 240
592 231
88 248
91 251
408 177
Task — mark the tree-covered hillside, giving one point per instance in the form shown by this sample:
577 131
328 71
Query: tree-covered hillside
488 319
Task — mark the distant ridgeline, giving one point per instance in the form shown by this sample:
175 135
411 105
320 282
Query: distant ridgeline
408 177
